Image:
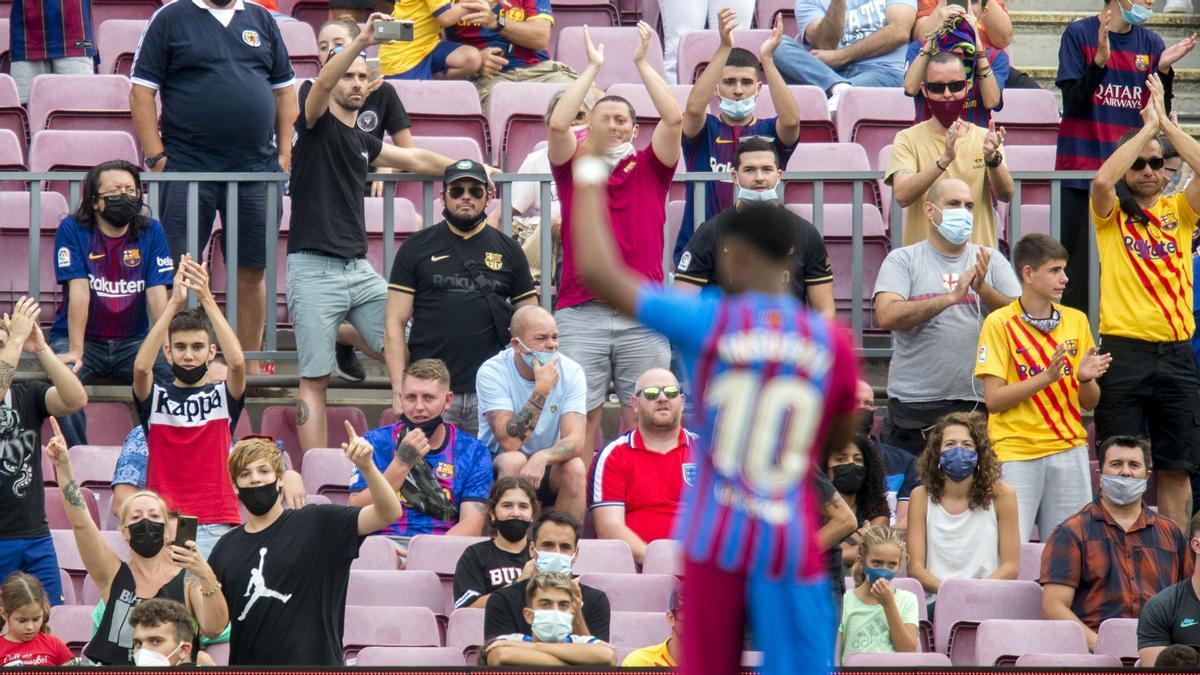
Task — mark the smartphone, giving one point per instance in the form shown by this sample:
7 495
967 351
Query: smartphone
394 31
185 530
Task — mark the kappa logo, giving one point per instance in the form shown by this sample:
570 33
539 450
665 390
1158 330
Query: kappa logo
368 121
250 37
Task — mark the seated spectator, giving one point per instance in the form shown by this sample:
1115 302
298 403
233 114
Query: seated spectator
962 521
946 146
636 483
1178 656
1109 559
844 43
710 142
428 56
986 69
930 295
513 39
531 412
490 565
1038 366
25 616
114 269
553 610
1171 616
756 173
900 467
876 617
50 37
441 474
838 523
553 545
858 474
665 655
162 634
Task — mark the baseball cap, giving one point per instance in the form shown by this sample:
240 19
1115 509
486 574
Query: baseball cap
464 168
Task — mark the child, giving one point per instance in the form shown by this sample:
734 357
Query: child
25 610
875 617
551 607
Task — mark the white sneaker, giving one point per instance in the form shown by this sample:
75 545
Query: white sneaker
1178 7
835 94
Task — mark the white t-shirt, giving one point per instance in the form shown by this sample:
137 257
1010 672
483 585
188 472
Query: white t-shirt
527 195
500 387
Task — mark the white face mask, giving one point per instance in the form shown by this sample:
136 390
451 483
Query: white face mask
548 562
148 658
616 153
551 625
752 195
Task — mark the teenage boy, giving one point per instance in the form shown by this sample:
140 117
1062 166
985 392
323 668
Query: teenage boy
163 633
550 609
189 422
1038 364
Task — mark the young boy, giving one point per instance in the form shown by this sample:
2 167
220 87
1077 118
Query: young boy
162 633
189 423
550 607
1038 364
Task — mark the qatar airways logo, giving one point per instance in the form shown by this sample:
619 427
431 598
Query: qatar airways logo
1151 250
1119 96
121 288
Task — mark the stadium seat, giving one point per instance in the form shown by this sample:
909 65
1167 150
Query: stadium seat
406 657
68 588
1118 637
311 12
871 116
444 108
73 150
73 625
13 116
219 652
380 626
999 642
633 592
94 467
327 471
516 113
91 594
1031 561
453 147
5 36
70 561
104 11
49 475
439 554
766 10
963 603
301 42
623 40
637 629
697 47
1035 218
674 222
663 556
840 247
593 13
109 423
80 102
395 588
1029 117
56 512
15 235
605 556
898 660
1067 661
376 553
404 225
279 422
825 157
12 156
1031 158
117 41
465 632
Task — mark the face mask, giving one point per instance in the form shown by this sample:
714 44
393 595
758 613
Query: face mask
1046 325
848 478
1122 491
553 563
148 658
1136 15
748 195
876 573
580 131
462 224
958 463
551 625
542 357
429 426
615 154
189 376
737 110
146 537
120 210
956 225
513 529
259 500
945 112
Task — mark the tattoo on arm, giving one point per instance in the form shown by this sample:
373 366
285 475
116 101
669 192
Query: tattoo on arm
564 446
7 370
301 412
73 496
408 455
521 425
477 506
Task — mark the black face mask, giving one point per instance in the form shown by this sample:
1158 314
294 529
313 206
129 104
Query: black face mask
866 422
513 529
190 376
259 500
462 224
221 3
146 537
848 478
429 426
120 210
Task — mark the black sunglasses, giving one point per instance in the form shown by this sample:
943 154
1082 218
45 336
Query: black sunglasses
652 393
1155 163
941 87
456 191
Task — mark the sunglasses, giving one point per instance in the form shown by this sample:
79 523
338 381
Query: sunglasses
456 191
652 393
340 48
1155 163
941 87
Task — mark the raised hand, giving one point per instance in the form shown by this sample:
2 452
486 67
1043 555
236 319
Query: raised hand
1093 365
358 450
639 54
1150 118
1171 55
595 53
73 359
1157 98
882 591
23 320
1101 57
56 450
367 36
767 50
728 21
956 131
982 260
993 140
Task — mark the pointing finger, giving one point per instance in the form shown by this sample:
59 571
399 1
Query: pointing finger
350 431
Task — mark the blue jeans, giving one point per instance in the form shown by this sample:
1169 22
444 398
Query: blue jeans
207 536
798 66
36 556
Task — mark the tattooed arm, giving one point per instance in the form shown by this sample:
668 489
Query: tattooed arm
512 431
471 517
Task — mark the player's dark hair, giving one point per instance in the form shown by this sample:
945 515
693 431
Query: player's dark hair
742 58
192 318
1036 250
89 195
764 227
871 500
158 611
987 469
1125 442
754 144
506 483
556 517
619 99
1177 656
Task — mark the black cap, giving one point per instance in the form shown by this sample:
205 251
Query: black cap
464 168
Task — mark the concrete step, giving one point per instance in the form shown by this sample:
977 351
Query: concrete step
1040 32
1086 6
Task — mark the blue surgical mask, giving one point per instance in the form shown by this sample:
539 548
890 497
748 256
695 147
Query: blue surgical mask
876 573
553 563
542 357
736 109
956 225
958 463
750 195
1136 15
551 625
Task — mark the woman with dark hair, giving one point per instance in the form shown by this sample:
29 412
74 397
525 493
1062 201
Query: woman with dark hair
858 474
962 521
114 267
489 565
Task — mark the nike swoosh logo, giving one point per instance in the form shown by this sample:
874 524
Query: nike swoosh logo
95 256
438 257
1187 623
724 140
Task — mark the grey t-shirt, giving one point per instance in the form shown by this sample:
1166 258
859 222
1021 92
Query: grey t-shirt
935 360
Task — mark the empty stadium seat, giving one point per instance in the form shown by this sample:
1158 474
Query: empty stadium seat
15 235
1029 117
12 155
72 150
396 588
327 471
301 43
94 466
465 632
117 41
406 657
825 157
1031 561
56 512
898 660
1031 158
5 36
1067 661
80 102
1118 637
663 556
70 561
439 554
1035 218
104 11
91 594
109 423
219 652
871 116
279 422
13 116
73 625
766 10
611 556
697 47
594 13
616 41
963 603
380 626
516 114
633 592
637 629
444 108
1000 642
376 553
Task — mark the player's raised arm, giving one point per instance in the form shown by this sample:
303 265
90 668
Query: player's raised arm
601 268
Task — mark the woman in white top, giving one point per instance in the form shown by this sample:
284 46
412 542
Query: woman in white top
962 521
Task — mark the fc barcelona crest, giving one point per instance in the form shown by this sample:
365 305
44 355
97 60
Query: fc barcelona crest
690 469
1142 62
132 257
494 261
444 471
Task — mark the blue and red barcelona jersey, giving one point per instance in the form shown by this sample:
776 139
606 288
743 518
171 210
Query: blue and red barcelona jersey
768 376
513 11
51 29
712 150
1085 142
118 270
462 469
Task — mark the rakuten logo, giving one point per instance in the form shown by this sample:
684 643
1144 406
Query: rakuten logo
116 289
1151 250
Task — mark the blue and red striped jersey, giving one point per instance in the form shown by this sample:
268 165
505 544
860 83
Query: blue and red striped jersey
768 376
51 29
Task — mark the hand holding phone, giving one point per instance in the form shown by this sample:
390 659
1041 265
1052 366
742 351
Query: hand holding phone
185 531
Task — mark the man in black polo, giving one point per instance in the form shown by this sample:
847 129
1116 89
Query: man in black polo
328 277
456 280
227 92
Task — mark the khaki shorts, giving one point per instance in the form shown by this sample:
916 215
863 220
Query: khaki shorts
322 292
609 346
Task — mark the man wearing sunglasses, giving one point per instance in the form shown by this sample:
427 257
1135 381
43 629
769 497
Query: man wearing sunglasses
1144 243
635 489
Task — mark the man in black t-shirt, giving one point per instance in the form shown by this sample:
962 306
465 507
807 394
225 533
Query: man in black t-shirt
328 277
25 543
455 281
1172 616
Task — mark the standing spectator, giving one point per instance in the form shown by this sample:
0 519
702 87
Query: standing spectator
114 269
986 69
1113 556
681 16
162 634
228 103
292 612
553 609
963 521
856 470
441 474
1171 616
945 147
931 295
607 345
491 565
459 273
531 412
636 483
25 542
756 172
50 36
845 43
1146 315
877 617
428 55
328 277
1099 104
901 467
25 614
1038 366
710 142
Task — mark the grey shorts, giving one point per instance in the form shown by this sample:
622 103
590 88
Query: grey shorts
324 291
609 346
464 412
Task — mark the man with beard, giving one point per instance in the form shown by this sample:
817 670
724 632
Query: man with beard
328 277
637 481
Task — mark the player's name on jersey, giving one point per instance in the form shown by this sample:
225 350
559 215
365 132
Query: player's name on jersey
773 511
762 344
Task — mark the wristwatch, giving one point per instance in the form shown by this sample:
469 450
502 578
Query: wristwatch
152 161
501 22
994 161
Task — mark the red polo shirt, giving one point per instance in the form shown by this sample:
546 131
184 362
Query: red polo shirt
649 484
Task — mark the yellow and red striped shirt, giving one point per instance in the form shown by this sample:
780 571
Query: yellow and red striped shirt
1012 350
1146 272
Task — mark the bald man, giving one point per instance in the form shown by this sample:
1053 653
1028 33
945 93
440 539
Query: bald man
635 486
532 412
933 296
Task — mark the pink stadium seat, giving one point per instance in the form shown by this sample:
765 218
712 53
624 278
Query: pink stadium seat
110 10
819 157
327 471
56 512
311 12
1067 661
594 13
611 556
395 588
301 42
1000 641
94 467
12 114
279 422
674 221
387 416
91 594
1034 218
49 475
109 422
696 48
1118 637
376 553
963 603
80 102
378 626
765 11
837 220
73 625
406 657
14 235
663 556
1031 158
516 113
404 223
71 150
465 632
901 660
5 36
68 588
216 263
1031 561
1029 117
634 592
12 155
637 629
871 116
69 560
117 40
439 554
444 108
622 40
219 652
